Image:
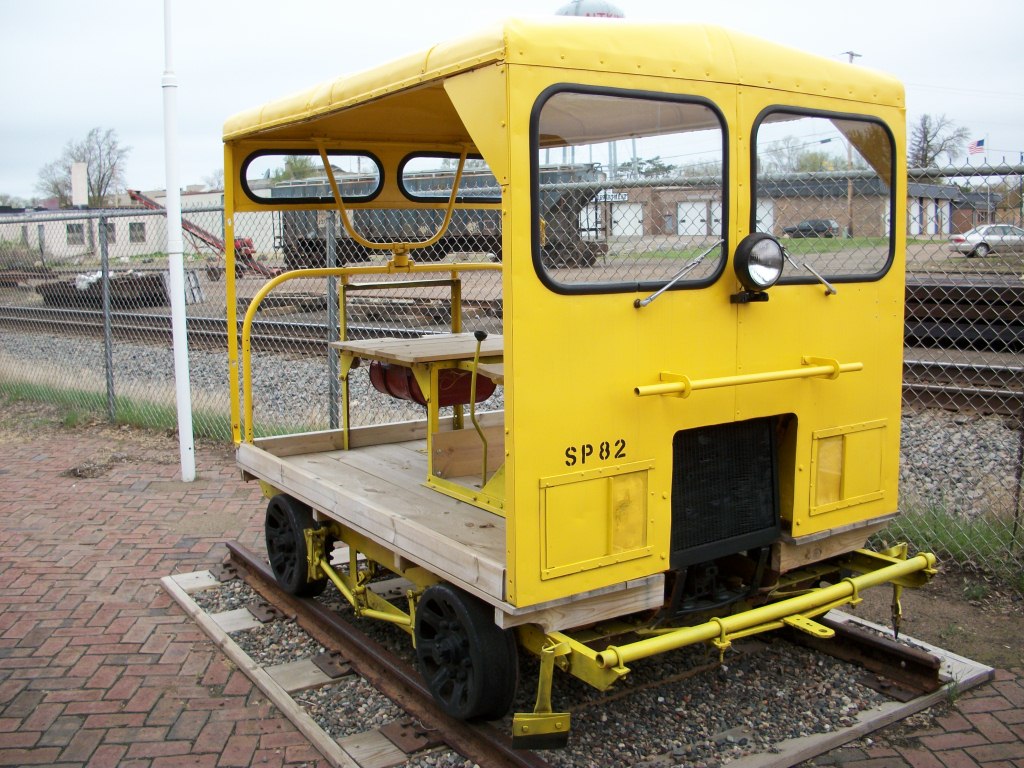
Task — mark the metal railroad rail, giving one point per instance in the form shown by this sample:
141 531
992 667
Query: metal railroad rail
397 680
980 312
974 386
209 332
899 671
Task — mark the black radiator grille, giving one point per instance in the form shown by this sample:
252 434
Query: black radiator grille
724 490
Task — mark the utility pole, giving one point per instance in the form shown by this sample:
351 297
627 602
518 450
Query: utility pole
849 168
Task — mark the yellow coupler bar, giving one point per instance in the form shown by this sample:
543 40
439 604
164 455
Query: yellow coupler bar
721 631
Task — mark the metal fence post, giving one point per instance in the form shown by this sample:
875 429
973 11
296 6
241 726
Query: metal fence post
332 329
41 237
108 341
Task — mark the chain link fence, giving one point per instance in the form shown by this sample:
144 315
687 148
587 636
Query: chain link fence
963 423
85 312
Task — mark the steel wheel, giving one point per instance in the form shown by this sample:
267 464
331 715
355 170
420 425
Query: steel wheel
981 250
286 545
470 665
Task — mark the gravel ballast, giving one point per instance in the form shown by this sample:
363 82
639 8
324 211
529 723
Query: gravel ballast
678 709
961 462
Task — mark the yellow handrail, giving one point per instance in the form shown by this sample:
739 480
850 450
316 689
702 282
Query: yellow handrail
682 386
295 274
400 249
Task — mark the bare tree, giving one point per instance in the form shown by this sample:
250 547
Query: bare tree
215 181
11 201
103 155
934 137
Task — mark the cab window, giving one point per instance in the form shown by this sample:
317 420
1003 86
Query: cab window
298 176
824 186
425 177
628 188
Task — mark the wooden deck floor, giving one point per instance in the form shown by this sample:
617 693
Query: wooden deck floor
378 491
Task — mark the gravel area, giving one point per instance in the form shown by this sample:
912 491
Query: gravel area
966 462
227 596
348 707
958 461
289 390
277 642
677 709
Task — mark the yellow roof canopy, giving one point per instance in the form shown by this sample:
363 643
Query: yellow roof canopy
407 96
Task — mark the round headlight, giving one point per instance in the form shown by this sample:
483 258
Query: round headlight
758 261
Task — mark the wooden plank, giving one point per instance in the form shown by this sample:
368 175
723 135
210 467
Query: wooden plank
493 371
304 442
322 742
196 581
299 675
446 518
372 749
360 437
426 349
577 611
434 532
460 453
787 555
237 620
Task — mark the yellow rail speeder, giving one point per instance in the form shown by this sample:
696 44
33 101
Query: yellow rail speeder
677 254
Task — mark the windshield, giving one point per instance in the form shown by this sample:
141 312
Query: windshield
627 189
824 185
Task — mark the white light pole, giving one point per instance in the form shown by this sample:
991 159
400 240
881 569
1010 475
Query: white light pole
175 258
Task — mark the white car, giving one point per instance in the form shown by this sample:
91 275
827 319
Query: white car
981 241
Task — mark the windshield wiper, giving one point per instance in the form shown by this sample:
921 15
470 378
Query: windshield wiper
829 288
689 267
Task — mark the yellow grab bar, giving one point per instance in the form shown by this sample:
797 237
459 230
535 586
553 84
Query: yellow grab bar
682 386
819 599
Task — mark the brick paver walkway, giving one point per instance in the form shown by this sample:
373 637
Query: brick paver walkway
98 667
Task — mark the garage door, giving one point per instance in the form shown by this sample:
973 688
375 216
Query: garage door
692 219
627 219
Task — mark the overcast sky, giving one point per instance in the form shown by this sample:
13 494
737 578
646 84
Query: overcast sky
67 66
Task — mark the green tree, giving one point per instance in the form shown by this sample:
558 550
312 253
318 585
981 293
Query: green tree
106 160
297 167
656 168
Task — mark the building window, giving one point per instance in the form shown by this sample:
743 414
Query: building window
111 232
76 234
136 232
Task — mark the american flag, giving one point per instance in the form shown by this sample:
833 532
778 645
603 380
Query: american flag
976 147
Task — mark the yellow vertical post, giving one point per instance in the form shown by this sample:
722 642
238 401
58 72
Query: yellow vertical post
343 330
232 303
456 304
